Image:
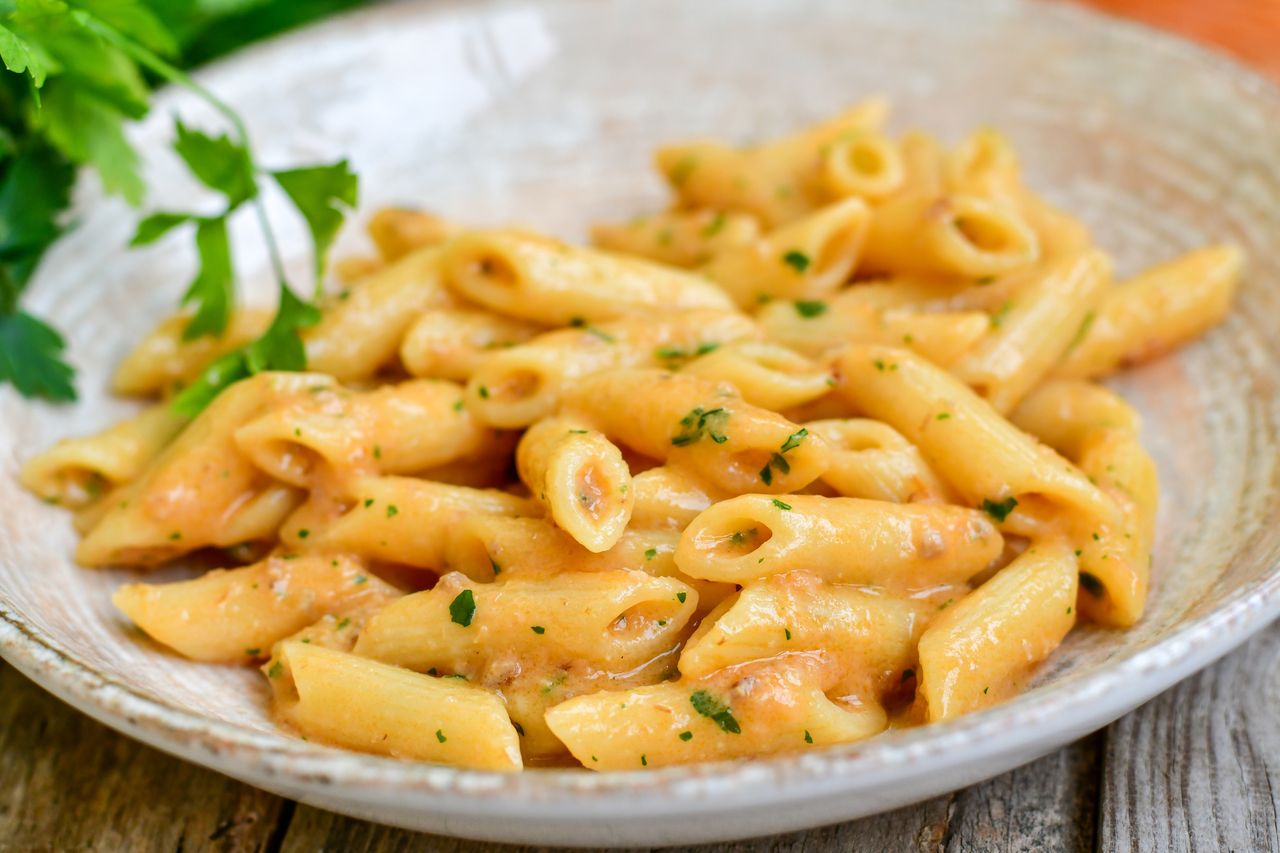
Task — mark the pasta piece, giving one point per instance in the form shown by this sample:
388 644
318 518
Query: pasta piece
166 358
397 231
360 330
805 259
360 704
949 235
77 471
546 281
352 270
872 460
1064 413
844 540
450 343
766 375
923 165
867 165
668 497
986 459
581 478
778 182
690 421
873 635
396 429
819 328
984 648
398 519
777 705
200 490
518 386
236 615
537 642
1031 334
680 238
1155 312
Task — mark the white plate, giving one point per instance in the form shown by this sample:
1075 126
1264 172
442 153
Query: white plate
545 114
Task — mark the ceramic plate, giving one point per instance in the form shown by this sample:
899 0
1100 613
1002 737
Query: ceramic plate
544 114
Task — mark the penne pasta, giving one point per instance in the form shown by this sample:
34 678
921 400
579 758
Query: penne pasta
766 375
451 343
398 231
680 238
166 359
872 460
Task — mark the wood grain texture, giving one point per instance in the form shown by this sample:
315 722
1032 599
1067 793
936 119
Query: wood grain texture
1198 768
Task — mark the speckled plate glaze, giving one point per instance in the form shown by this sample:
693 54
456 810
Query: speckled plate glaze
544 114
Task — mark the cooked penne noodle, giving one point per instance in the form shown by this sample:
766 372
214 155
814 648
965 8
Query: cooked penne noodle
983 648
165 359
680 238
1064 413
352 702
843 540
704 425
1156 311
805 259
450 343
545 281
1031 332
397 231
76 472
867 165
669 497
516 387
236 615
766 375
872 460
581 478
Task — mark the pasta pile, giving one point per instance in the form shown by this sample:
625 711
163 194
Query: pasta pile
815 452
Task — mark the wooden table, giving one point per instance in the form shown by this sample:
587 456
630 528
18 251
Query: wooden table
1196 769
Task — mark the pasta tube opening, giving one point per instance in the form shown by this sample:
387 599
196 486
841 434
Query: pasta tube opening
867 165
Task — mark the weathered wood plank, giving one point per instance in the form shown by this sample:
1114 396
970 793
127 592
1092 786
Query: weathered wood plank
1198 768
69 783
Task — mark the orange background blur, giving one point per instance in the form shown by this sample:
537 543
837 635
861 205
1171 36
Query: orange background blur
1247 29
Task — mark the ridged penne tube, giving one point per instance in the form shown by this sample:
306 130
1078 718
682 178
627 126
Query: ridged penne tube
546 281
516 387
873 634
450 343
399 519
77 471
979 453
1064 413
843 540
984 648
580 477
614 620
360 330
236 615
395 429
669 497
870 459
704 425
200 490
820 328
680 238
397 231
777 705
1034 329
164 359
923 160
778 181
805 259
356 703
948 235
1156 311
867 165
766 375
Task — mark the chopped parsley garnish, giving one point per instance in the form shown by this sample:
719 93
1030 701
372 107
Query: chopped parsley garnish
999 510
175 536
944 416
303 533
797 260
650 553
787 631
681 171
377 451
440 735
793 440
781 505
276 670
985 280
997 319
457 406
718 712
392 510
644 762
681 596
699 422
810 309
1092 585
360 579
670 353
253 653
715 225
368 502
538 629
343 622
463 608
1085 325
686 736
483 391
808 738
1096 537
497 570
601 334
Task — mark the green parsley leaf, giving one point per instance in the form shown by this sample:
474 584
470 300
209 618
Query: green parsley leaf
31 357
87 129
701 422
1082 332
220 163
709 706
21 57
681 596
650 553
809 310
463 608
808 738
797 260
780 505
157 225
538 629
320 193
213 289
440 735
686 736
793 440
276 670
999 510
